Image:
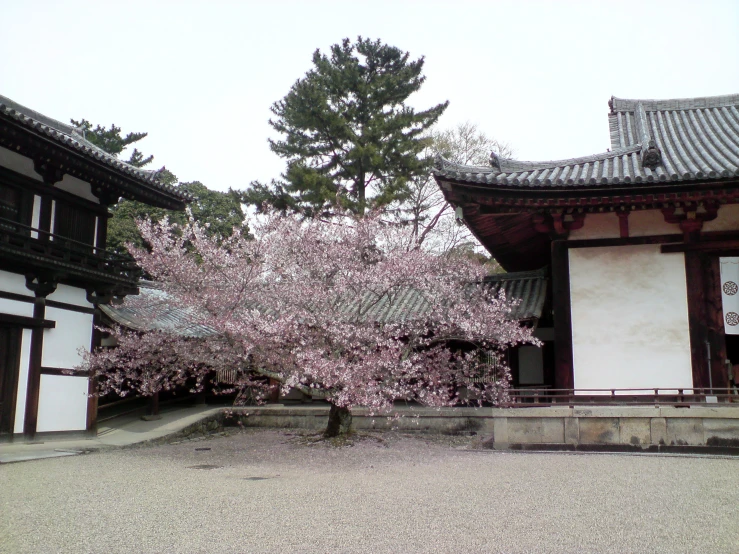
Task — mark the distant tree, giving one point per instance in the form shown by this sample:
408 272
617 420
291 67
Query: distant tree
348 136
430 215
218 211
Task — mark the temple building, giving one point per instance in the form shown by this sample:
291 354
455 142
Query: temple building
641 243
55 271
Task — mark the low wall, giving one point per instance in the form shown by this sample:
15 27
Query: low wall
614 428
638 427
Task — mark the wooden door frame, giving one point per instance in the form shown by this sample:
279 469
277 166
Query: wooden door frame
9 392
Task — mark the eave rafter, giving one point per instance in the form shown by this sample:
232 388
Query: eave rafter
701 196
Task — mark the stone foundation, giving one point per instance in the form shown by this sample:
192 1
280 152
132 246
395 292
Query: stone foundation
620 427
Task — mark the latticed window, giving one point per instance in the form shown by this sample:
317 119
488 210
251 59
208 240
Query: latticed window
486 369
14 206
74 223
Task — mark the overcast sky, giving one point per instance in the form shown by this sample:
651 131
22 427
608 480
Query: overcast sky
200 76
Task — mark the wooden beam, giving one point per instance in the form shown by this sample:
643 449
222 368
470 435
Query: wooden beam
33 387
715 323
10 353
26 322
92 389
654 239
62 372
702 246
694 276
564 377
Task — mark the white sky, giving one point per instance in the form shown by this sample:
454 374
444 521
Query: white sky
200 76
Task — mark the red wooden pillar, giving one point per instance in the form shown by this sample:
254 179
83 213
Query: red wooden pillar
564 377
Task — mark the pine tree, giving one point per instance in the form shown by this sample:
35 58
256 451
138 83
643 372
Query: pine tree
348 136
111 141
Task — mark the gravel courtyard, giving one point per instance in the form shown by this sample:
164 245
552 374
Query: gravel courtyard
273 491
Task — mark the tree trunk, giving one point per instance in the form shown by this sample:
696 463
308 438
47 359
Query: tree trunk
152 408
339 422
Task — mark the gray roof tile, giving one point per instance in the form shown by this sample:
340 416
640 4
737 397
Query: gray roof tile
696 139
70 136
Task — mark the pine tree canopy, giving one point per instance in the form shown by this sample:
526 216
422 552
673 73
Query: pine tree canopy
348 136
111 141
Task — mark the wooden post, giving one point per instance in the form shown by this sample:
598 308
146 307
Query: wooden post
694 277
564 377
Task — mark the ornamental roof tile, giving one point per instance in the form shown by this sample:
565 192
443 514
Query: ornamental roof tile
682 140
73 137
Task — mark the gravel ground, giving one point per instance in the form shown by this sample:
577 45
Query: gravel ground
276 492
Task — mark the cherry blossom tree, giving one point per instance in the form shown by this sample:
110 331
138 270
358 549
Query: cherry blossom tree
350 311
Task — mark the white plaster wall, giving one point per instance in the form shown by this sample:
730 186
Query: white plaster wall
76 186
73 331
19 164
629 318
70 295
20 398
13 307
14 282
642 223
530 365
727 219
645 223
598 226
62 403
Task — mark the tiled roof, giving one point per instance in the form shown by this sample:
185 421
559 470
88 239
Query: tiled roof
652 141
72 137
153 310
529 288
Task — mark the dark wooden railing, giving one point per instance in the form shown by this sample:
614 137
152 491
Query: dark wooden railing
24 238
526 397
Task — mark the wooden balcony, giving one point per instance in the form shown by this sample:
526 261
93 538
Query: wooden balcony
26 249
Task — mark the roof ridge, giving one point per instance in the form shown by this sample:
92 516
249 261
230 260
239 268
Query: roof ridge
509 165
699 102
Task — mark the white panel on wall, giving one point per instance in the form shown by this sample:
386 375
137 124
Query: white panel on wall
61 345
14 282
19 164
77 187
530 365
629 318
36 215
62 404
70 295
20 399
13 307
53 215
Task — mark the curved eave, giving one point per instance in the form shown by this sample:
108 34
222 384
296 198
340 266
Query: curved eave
132 182
517 194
